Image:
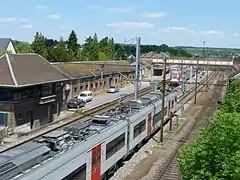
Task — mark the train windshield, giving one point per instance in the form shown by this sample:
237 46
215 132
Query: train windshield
174 75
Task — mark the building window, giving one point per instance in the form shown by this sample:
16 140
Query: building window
17 96
139 128
81 88
20 117
75 89
115 145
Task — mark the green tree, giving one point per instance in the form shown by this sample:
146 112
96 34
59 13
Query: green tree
72 43
91 49
215 154
39 45
107 47
22 47
60 53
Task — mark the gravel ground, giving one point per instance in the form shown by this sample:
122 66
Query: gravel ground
144 163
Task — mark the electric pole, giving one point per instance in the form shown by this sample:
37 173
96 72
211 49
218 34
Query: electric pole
163 98
137 66
196 81
182 85
204 45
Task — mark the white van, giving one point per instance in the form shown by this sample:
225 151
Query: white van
86 96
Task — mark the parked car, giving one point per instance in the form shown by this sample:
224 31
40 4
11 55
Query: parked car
75 103
86 96
113 89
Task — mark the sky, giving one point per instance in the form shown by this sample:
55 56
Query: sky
173 22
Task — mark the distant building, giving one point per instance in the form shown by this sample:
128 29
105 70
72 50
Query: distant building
7 45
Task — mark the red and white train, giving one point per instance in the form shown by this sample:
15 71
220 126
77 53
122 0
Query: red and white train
176 76
92 150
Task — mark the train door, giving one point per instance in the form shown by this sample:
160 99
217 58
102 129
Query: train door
149 130
96 163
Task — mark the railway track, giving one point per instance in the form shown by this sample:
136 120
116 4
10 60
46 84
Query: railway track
170 170
83 116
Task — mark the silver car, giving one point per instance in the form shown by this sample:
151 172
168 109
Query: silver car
113 89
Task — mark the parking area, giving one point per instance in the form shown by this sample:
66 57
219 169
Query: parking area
97 100
110 96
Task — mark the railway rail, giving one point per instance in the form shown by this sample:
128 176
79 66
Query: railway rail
83 116
170 170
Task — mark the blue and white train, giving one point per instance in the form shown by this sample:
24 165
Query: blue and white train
92 150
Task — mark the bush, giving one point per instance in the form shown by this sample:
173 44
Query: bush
215 154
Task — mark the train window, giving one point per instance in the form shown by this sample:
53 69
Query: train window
156 118
99 156
139 128
115 145
94 163
79 173
174 75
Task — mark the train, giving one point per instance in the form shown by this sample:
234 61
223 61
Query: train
92 150
177 76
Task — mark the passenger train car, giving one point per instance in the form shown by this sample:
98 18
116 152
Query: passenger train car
91 150
176 77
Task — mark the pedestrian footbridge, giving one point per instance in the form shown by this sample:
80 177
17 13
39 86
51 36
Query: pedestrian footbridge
200 62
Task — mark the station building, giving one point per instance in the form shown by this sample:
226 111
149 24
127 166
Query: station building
95 76
31 89
34 92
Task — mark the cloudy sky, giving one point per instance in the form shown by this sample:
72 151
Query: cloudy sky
174 22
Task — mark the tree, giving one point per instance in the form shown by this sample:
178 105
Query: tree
60 53
39 45
72 43
106 47
91 49
22 47
215 154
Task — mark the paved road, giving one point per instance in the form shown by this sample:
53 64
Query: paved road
110 96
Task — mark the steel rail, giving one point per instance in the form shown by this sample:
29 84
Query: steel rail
167 165
36 133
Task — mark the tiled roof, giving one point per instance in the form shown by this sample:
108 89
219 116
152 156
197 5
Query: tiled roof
27 69
89 68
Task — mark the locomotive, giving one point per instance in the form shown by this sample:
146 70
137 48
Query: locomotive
91 150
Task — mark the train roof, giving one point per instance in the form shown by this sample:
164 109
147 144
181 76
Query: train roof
17 157
78 138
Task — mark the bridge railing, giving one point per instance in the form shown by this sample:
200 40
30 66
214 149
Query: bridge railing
194 62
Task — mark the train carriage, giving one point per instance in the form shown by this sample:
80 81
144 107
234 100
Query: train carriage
92 150
178 76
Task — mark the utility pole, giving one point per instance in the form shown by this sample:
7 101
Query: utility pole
182 85
196 81
137 66
163 98
102 82
204 46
